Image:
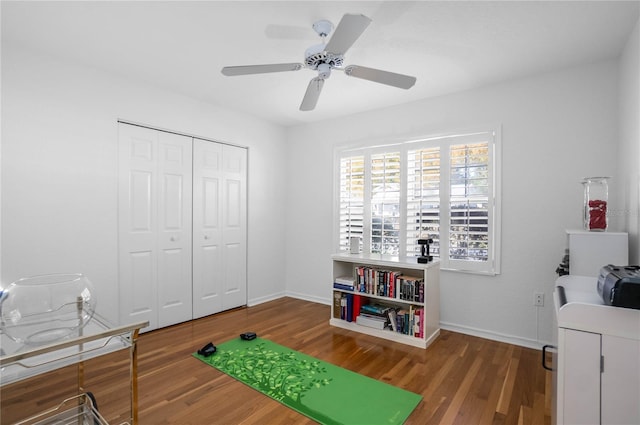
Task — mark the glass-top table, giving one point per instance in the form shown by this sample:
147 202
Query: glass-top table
19 361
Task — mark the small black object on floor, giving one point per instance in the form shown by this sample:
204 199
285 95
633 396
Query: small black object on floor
248 336
207 350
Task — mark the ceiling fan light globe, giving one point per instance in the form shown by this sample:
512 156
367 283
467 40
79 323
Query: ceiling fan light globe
324 71
323 27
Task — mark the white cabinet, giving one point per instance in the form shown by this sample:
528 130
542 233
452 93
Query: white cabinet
589 251
598 361
600 378
347 264
182 226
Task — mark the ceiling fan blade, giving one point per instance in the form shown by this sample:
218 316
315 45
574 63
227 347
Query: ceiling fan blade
379 76
346 33
313 93
260 69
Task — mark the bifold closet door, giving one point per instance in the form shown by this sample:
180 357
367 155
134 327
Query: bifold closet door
155 226
219 227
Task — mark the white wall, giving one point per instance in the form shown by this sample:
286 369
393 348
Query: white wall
556 129
59 170
629 92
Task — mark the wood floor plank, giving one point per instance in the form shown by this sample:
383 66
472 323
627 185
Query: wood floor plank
462 379
462 392
507 388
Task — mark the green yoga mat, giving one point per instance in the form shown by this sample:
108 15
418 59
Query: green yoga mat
324 392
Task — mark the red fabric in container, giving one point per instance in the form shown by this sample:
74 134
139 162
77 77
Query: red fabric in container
597 214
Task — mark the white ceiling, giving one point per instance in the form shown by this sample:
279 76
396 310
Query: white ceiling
449 46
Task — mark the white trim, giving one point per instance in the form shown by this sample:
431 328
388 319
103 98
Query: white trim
494 336
497 199
306 297
255 301
180 133
409 138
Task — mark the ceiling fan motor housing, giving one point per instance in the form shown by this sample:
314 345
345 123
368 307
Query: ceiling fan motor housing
316 55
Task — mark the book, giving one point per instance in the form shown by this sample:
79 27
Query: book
374 309
417 323
371 321
393 319
412 319
357 305
342 286
400 321
345 280
337 304
349 314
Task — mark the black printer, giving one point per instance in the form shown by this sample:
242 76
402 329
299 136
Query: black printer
619 286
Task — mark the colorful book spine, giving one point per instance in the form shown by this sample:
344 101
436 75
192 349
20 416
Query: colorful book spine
375 281
357 305
337 304
343 287
349 313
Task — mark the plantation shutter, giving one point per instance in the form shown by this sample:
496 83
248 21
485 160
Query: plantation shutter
423 199
385 202
351 199
469 205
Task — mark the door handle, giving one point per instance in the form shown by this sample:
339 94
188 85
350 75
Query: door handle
544 356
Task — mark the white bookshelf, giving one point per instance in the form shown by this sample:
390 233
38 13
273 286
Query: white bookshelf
345 265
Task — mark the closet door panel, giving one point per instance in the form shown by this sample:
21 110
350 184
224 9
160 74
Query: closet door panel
234 227
141 268
174 230
211 278
207 252
233 282
137 216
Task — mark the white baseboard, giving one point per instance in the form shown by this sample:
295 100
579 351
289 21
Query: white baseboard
306 297
494 336
260 300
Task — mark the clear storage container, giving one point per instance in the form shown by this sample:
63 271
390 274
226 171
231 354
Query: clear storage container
42 309
596 196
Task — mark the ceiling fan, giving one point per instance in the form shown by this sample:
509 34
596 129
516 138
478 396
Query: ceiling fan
329 56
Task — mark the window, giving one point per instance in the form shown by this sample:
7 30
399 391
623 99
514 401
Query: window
441 188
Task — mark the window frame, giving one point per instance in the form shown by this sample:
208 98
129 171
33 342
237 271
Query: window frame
444 140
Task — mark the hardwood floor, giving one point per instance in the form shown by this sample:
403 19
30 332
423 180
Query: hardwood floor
463 379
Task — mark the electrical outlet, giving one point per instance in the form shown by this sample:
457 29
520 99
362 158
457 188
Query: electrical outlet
538 299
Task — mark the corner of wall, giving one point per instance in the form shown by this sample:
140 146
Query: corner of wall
629 140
